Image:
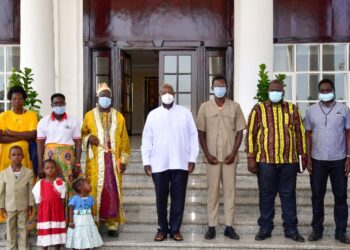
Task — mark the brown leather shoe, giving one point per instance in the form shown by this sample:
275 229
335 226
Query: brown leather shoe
160 236
177 236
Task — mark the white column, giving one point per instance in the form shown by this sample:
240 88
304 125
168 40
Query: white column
68 18
253 41
37 47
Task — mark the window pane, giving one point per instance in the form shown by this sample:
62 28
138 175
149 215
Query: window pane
100 79
307 86
216 65
185 100
334 57
283 58
303 107
13 58
171 79
185 64
340 82
307 57
184 83
170 64
2 108
2 59
288 88
2 87
102 65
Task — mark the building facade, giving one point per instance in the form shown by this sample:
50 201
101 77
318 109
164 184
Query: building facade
135 46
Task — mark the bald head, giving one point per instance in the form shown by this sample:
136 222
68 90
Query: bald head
166 89
276 85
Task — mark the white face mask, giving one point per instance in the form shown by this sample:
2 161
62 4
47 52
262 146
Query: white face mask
167 98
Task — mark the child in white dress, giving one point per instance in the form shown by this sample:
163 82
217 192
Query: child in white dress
82 232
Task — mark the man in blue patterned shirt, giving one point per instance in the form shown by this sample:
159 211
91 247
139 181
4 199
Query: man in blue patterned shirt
327 126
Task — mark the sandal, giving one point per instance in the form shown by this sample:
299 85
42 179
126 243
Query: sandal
177 236
160 236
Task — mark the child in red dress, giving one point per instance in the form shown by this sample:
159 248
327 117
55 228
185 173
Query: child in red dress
49 193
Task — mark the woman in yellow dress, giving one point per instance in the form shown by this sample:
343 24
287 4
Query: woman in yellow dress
17 127
107 143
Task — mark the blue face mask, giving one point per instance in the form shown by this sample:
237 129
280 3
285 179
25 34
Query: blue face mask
275 96
104 102
326 97
219 91
59 110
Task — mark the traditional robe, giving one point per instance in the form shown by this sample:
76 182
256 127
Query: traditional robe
94 124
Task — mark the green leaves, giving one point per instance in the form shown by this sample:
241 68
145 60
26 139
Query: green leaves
263 83
25 80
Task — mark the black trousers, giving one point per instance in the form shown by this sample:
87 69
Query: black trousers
339 183
281 179
175 182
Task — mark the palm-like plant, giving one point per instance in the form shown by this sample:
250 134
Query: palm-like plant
25 80
263 83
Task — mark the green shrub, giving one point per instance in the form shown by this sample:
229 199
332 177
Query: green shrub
263 83
25 80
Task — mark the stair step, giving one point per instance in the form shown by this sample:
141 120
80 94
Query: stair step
136 168
196 241
132 189
240 219
135 156
244 223
199 201
239 209
144 241
200 182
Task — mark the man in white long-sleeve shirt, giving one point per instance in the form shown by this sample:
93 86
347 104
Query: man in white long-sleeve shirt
169 153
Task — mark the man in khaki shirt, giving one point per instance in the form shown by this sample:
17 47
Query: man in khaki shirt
220 124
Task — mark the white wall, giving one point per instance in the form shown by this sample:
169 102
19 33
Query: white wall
253 45
51 44
68 17
37 47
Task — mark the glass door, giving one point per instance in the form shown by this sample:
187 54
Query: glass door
178 68
126 89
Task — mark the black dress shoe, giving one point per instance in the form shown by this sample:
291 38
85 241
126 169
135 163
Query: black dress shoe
230 232
210 234
262 235
296 237
342 238
113 233
315 236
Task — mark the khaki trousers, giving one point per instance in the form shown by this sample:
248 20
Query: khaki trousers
16 222
225 174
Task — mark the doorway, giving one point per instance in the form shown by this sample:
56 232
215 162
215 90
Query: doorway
142 74
139 86
136 73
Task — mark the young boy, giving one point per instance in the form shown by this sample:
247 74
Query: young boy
16 199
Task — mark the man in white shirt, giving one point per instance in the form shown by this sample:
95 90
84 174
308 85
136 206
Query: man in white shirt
169 153
59 138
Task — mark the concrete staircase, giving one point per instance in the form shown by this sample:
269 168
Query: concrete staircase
141 225
141 216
